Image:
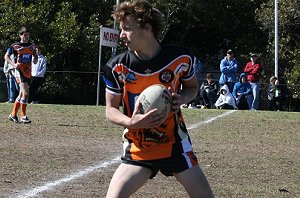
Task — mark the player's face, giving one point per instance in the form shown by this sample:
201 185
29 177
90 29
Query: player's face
132 35
25 37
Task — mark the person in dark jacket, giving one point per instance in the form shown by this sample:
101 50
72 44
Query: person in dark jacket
241 91
209 91
277 94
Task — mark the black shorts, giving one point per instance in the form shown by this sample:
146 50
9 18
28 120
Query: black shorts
167 166
21 78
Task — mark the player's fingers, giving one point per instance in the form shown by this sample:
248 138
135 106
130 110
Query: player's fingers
151 112
137 107
176 102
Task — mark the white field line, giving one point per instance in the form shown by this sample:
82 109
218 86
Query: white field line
50 185
210 120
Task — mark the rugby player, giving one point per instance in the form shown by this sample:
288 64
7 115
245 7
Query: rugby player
24 53
149 146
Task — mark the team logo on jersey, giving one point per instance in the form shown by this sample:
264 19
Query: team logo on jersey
153 136
166 76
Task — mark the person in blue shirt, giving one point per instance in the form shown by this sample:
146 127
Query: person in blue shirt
38 71
241 91
228 68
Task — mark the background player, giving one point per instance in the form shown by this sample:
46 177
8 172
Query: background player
23 52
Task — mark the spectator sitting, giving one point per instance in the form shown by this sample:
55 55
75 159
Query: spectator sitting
241 91
195 103
225 100
277 94
192 104
209 91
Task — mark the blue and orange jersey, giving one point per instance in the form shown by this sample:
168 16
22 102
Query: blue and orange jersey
23 53
127 75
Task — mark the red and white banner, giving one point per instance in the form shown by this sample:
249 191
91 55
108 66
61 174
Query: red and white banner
109 37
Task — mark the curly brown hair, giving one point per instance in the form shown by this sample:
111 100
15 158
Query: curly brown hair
143 12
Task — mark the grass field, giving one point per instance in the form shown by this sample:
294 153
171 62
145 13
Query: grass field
70 151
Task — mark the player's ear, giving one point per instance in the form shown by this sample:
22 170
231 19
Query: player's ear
148 27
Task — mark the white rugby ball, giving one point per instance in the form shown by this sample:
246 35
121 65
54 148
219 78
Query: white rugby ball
157 97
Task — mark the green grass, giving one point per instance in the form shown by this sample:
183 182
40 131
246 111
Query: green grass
245 154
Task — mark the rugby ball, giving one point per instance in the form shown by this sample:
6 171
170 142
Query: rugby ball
157 97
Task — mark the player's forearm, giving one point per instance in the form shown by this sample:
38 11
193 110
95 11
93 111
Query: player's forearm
117 117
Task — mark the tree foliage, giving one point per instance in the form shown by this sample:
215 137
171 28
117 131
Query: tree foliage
289 38
69 34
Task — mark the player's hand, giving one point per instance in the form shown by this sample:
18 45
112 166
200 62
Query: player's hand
177 101
148 120
16 65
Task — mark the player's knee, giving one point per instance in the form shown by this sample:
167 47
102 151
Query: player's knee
114 192
26 94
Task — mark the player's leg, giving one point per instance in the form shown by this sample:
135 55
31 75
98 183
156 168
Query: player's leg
195 182
23 90
127 180
17 104
24 99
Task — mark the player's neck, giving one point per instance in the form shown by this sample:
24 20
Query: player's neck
148 53
24 41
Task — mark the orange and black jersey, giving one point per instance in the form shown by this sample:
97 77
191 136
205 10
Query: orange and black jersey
23 53
128 76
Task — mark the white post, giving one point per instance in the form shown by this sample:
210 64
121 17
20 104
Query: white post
99 71
276 38
115 23
114 49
